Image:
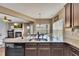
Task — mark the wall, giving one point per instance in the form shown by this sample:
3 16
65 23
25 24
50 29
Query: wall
24 29
72 37
61 14
69 36
58 29
3 30
41 21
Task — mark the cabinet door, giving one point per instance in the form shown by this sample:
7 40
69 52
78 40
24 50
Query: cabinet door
68 21
57 51
43 49
67 51
30 52
74 51
73 54
30 49
76 14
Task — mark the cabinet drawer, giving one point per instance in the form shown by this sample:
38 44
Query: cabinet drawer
57 45
43 45
30 45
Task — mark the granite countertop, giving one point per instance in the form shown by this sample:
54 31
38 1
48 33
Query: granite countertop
19 40
24 40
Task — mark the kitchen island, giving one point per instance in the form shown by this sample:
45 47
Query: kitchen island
23 47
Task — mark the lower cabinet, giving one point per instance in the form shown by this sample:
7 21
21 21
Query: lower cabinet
67 51
57 52
57 49
30 49
40 49
31 52
43 49
44 52
74 51
73 54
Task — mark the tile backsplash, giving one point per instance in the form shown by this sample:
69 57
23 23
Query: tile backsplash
72 37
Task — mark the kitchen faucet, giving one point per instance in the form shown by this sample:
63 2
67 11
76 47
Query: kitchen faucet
38 36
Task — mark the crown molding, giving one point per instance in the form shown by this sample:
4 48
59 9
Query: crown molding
11 12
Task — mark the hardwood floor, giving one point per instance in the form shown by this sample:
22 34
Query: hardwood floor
2 51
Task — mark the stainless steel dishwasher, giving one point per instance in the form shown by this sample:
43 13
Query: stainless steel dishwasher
16 49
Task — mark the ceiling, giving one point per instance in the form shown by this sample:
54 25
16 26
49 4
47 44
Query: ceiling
35 10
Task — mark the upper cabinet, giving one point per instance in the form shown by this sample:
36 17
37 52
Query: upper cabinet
68 17
72 15
75 12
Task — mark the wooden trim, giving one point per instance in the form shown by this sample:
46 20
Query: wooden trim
70 14
56 18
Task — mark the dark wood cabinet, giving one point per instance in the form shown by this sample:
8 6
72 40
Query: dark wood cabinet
74 51
30 52
73 54
67 51
43 49
40 49
57 49
75 8
31 49
57 52
68 17
72 15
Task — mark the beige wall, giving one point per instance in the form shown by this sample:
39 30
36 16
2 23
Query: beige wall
72 37
24 29
69 36
61 14
41 21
